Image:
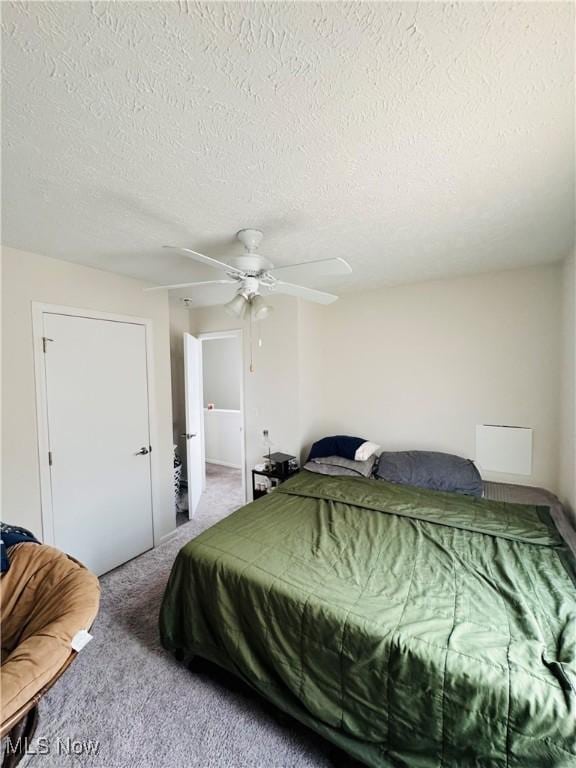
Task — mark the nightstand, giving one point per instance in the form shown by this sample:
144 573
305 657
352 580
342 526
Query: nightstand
278 477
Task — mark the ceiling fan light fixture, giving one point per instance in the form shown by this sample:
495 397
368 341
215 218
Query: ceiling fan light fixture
237 307
260 311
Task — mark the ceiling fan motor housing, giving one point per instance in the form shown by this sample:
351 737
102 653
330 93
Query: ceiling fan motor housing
250 287
250 238
251 263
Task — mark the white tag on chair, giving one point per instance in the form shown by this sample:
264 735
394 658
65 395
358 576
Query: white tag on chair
80 639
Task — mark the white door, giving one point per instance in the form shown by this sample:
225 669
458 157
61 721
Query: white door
194 426
99 438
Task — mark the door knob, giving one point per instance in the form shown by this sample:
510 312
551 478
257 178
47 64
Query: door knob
142 452
188 435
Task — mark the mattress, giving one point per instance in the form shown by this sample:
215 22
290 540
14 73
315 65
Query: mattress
407 626
524 494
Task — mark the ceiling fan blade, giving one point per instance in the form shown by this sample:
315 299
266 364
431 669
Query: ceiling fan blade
308 270
320 297
204 259
210 296
190 285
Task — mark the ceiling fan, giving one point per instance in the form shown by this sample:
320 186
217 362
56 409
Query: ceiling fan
255 276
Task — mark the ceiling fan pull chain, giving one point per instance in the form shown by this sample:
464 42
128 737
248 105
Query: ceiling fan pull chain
250 333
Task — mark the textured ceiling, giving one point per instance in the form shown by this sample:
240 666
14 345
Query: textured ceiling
416 140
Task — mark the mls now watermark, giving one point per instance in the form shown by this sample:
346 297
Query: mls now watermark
58 746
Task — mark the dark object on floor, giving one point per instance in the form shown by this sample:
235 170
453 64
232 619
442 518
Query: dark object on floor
430 469
47 598
177 478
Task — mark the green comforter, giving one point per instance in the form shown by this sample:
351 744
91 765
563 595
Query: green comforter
409 627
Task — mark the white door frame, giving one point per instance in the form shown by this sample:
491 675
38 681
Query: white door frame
236 333
46 507
187 415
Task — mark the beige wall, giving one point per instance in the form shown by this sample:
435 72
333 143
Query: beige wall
418 366
179 325
271 389
568 400
27 277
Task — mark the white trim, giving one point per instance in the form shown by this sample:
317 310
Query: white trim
46 514
224 463
223 410
94 314
38 311
210 335
153 430
188 400
239 334
167 536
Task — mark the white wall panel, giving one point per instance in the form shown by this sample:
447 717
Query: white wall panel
222 435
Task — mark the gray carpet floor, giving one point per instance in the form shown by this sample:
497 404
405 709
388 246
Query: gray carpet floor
223 494
146 710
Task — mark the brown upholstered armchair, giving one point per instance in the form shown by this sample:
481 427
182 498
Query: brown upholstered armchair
46 598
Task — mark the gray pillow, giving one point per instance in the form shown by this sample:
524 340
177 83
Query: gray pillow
430 469
339 466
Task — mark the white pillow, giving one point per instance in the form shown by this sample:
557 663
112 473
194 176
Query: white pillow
366 450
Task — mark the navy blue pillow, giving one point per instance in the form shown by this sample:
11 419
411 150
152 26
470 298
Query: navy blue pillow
339 445
10 535
4 556
430 469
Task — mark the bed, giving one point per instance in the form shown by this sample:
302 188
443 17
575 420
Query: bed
409 627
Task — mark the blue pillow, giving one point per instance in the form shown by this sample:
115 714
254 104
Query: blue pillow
10 535
3 557
339 445
430 469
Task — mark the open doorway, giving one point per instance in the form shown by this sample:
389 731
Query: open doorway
214 390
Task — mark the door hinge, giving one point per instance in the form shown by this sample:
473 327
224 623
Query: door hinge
45 341
49 458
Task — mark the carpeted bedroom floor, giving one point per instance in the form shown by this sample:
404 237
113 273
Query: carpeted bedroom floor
143 708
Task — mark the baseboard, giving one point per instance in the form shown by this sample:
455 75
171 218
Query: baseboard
223 463
167 537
